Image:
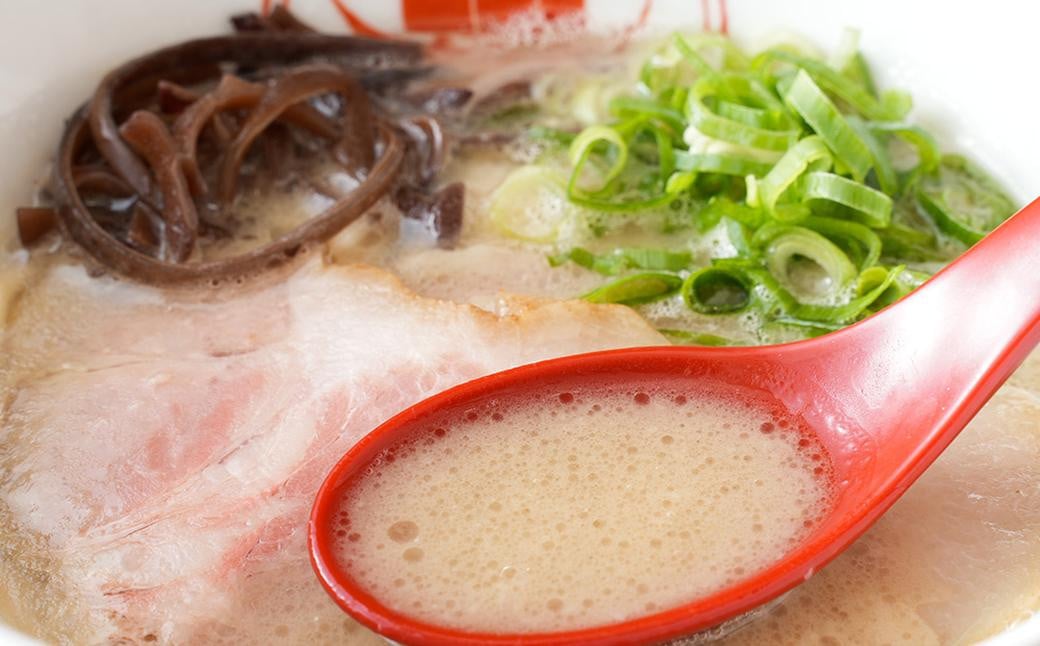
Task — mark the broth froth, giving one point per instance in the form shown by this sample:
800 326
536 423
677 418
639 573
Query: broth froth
578 508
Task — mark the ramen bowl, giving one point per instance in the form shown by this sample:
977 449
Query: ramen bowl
971 87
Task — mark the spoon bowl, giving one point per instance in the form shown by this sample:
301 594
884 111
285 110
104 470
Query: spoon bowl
883 397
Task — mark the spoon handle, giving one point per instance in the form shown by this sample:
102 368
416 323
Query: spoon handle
983 311
925 366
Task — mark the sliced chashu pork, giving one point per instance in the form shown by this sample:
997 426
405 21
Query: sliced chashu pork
160 453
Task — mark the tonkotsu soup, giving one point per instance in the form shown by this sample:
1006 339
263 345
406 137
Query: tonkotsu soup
252 253
575 508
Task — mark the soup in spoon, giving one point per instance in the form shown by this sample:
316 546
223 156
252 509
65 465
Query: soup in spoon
578 507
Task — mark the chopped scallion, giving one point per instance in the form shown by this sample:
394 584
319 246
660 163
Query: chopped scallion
777 161
636 289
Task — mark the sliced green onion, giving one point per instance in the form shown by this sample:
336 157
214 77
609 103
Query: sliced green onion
809 101
619 260
870 279
636 289
964 200
849 312
719 163
882 162
619 205
531 204
691 56
905 282
898 241
833 228
610 193
896 104
871 207
660 77
783 243
682 60
720 207
851 63
756 117
629 127
656 258
583 101
718 127
791 213
858 97
665 152
623 106
715 290
927 149
767 293
735 132
680 182
553 135
582 148
856 69
790 160
739 235
810 152
809 328
685 337
732 58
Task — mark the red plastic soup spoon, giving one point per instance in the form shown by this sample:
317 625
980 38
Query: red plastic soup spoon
884 397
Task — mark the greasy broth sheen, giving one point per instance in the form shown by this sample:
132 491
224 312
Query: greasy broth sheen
580 508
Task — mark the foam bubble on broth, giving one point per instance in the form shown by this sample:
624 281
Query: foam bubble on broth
578 508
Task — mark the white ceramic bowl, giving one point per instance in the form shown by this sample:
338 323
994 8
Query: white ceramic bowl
966 63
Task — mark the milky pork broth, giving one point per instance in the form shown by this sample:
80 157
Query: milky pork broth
160 447
579 507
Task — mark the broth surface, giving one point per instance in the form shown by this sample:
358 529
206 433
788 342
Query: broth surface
580 508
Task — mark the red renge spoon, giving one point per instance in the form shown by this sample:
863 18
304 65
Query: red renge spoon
884 397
